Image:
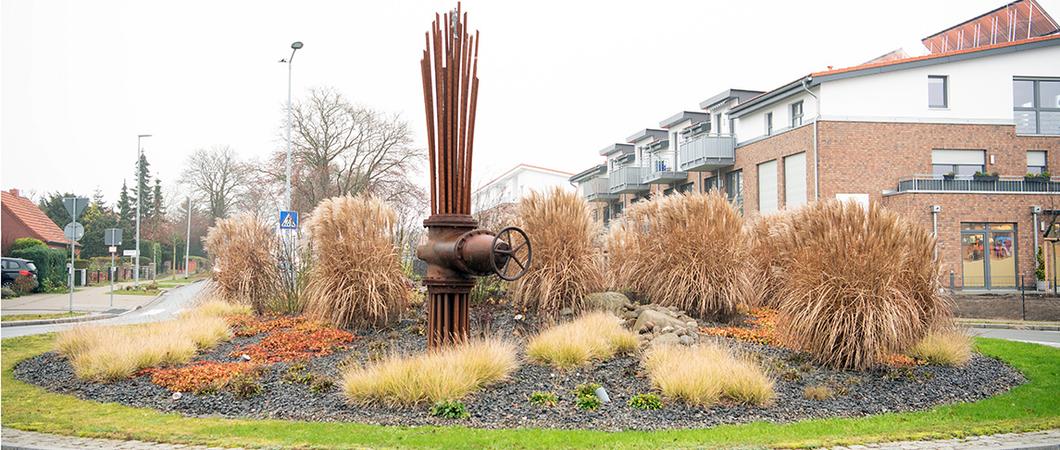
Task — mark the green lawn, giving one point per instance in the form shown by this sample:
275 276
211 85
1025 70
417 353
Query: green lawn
1032 406
12 317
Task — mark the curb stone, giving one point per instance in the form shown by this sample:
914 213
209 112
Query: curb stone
1007 326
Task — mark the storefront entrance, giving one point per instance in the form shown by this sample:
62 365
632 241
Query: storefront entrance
988 255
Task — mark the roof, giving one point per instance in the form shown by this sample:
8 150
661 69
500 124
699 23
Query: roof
817 78
613 148
739 94
32 217
524 166
694 116
646 133
951 56
591 172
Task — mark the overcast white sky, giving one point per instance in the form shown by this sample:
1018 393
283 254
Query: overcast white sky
560 79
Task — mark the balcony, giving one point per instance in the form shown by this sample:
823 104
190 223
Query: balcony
597 190
931 183
706 152
661 171
628 179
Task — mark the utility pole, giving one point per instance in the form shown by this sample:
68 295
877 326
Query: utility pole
139 199
187 241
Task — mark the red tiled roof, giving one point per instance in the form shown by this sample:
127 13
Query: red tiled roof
29 214
934 55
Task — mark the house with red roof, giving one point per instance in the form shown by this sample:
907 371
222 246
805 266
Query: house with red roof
21 218
961 140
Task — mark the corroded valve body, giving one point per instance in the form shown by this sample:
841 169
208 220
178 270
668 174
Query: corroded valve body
456 249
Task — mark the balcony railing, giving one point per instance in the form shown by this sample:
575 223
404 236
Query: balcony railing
706 152
597 190
661 171
627 179
931 183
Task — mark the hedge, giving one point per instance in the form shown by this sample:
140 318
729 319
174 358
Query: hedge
50 262
22 243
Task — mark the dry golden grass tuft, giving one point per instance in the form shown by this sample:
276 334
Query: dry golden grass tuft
105 353
686 251
860 284
245 267
446 374
566 265
356 277
707 373
216 307
765 240
817 392
949 346
593 336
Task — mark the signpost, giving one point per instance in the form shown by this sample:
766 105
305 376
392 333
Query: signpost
112 238
73 231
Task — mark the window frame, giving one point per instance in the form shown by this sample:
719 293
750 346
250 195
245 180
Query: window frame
1036 107
796 119
1040 169
945 91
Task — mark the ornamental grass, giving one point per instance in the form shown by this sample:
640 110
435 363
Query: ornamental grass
356 277
687 251
860 284
566 265
107 353
443 375
707 373
947 346
246 269
593 336
766 244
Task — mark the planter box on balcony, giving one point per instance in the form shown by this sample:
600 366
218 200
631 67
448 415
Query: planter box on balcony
949 176
984 177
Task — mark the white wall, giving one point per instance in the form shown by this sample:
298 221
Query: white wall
980 90
753 125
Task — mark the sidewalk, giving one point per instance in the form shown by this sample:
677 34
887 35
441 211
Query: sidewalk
92 299
28 440
1042 440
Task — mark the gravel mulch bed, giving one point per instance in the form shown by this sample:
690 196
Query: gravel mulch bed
505 405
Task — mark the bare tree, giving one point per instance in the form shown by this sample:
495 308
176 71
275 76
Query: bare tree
216 177
343 149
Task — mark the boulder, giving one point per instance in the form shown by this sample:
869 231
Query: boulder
658 319
615 302
666 339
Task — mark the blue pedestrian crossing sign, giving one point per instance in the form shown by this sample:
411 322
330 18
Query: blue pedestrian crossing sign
288 220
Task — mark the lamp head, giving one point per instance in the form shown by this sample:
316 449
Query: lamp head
296 45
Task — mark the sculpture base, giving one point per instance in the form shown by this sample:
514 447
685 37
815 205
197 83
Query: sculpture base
447 317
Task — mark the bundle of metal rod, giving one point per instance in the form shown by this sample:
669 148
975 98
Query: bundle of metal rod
450 93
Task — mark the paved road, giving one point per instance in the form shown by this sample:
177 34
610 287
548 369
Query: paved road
165 308
1050 338
92 299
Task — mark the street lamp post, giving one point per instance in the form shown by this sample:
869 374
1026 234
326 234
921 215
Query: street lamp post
187 242
294 48
139 197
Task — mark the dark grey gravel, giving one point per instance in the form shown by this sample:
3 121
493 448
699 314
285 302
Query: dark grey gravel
505 404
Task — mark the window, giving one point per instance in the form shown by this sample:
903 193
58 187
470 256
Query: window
686 187
717 120
1036 106
767 187
1036 162
796 114
795 180
734 186
769 123
962 163
937 91
732 126
709 184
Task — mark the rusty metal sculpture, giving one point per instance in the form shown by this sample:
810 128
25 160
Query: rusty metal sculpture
457 250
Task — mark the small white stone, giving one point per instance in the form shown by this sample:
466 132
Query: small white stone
176 396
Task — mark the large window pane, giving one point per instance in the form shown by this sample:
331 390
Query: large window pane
1049 94
1049 122
973 261
1002 259
1023 93
1026 122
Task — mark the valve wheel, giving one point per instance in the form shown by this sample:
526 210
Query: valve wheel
511 245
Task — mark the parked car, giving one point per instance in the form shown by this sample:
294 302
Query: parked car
16 267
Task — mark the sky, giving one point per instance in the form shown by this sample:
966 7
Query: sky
79 80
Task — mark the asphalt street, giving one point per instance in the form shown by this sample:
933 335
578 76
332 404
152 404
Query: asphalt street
166 307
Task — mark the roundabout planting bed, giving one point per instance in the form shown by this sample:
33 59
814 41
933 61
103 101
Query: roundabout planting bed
302 381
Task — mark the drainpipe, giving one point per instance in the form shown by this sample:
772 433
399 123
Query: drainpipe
935 209
816 160
1035 210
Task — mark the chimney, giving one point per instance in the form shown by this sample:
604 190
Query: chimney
14 192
